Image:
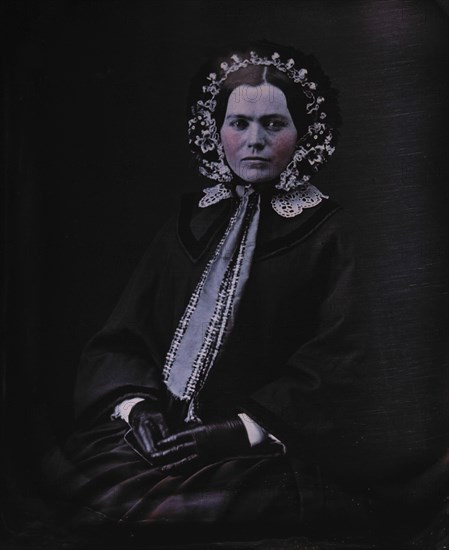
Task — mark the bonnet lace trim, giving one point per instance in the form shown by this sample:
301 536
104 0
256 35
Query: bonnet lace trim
313 149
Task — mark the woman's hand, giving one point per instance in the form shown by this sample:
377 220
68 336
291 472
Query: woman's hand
201 445
149 424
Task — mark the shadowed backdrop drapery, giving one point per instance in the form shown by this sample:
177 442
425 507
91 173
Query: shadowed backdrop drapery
96 155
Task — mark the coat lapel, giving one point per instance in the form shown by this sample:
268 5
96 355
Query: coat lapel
277 234
199 228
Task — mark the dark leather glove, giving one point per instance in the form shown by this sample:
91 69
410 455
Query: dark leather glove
149 424
201 445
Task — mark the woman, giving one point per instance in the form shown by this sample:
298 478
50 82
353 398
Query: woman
217 390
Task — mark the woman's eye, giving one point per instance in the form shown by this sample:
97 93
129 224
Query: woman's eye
239 123
275 125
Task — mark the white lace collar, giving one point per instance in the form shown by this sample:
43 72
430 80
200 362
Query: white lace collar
287 205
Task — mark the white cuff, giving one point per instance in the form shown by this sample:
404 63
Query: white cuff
257 434
123 409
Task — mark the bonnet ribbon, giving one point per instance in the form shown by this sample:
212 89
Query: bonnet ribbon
210 314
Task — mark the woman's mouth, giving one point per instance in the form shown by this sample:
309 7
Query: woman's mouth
256 159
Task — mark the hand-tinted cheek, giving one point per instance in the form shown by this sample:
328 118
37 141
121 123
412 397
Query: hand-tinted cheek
230 144
284 149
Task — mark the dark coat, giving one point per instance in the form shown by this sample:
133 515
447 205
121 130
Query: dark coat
294 355
294 362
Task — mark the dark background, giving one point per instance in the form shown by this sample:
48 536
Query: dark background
96 155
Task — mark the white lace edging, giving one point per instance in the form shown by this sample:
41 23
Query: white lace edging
291 204
287 205
214 194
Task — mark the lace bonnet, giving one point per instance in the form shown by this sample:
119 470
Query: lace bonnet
317 143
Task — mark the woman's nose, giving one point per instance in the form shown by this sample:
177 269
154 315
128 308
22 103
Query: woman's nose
256 137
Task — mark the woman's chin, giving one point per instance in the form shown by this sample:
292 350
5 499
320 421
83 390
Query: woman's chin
257 179
256 173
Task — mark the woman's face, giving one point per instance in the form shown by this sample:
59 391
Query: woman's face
258 133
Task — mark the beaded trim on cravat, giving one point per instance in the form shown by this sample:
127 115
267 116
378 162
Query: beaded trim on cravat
209 315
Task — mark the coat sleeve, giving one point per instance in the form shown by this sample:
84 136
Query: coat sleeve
310 404
124 358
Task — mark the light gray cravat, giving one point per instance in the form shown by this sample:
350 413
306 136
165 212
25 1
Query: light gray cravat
210 314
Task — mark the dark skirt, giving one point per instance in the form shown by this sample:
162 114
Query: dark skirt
108 483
